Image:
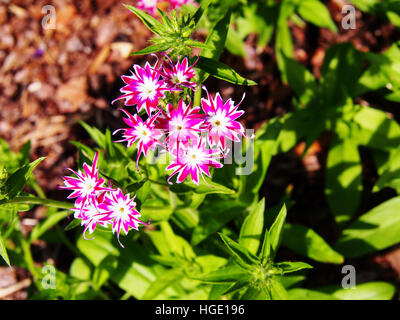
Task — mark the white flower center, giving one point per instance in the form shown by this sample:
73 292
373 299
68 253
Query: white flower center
143 133
179 78
122 210
194 157
88 185
218 121
148 88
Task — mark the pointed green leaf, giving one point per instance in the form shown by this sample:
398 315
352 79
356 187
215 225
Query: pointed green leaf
308 243
275 232
364 291
152 49
315 12
73 224
222 71
223 275
153 24
300 80
277 290
16 182
241 255
343 179
46 224
288 267
252 228
162 282
307 294
375 230
266 247
3 250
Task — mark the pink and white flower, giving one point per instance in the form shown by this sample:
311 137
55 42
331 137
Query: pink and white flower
143 88
177 4
220 120
179 74
121 209
91 215
86 186
150 6
181 124
142 132
194 159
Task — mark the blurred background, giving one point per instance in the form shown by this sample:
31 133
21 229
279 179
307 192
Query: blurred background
51 78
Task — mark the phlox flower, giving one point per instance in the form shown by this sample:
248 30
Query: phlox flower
121 209
150 6
181 124
194 159
176 4
92 214
142 132
179 74
143 88
220 121
86 186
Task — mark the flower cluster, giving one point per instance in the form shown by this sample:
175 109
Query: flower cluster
97 204
150 6
173 124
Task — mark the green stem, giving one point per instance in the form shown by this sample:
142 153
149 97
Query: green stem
197 96
43 201
26 248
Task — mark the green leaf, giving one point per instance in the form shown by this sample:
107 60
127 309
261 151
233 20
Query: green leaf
266 247
288 267
242 256
46 224
196 44
307 242
153 24
374 129
383 72
343 179
262 148
214 214
234 43
300 80
208 187
363 291
152 49
390 177
223 275
3 250
215 43
283 42
342 67
162 282
79 269
16 182
375 230
73 224
315 12
252 227
275 232
307 294
222 71
95 134
277 290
